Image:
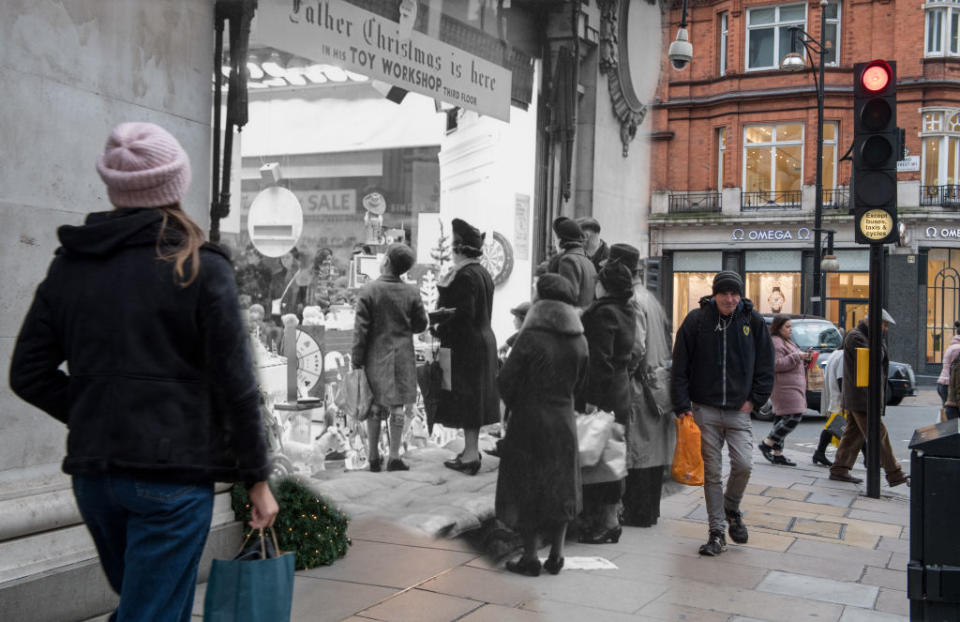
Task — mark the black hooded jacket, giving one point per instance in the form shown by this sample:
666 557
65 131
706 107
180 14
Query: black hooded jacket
161 380
721 367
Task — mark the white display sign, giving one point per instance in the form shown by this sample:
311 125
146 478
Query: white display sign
909 164
335 32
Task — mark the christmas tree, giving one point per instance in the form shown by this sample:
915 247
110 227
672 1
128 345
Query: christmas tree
428 290
441 252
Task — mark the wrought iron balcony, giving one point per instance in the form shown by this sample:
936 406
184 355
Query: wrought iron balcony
686 202
837 198
947 197
765 199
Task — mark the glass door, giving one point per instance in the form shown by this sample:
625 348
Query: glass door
852 310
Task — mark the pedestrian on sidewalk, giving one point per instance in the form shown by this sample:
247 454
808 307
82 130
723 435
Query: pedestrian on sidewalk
950 407
610 329
593 246
722 369
572 262
538 483
160 397
830 400
789 395
949 356
466 305
389 313
650 431
855 403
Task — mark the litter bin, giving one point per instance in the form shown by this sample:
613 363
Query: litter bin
933 573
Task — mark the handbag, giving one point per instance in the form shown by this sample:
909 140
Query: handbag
835 425
687 460
254 586
354 396
593 432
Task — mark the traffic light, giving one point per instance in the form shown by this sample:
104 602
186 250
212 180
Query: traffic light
876 149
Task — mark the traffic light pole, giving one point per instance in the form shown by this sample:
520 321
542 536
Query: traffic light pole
818 307
875 390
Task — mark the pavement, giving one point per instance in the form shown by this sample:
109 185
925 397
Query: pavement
818 550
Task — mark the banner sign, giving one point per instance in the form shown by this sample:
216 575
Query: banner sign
338 33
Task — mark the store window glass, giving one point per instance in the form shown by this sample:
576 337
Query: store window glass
774 158
942 26
829 160
940 155
848 285
774 292
768 34
831 34
942 299
724 32
688 289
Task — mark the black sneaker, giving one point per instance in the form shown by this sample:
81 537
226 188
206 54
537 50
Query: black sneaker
767 451
738 531
715 545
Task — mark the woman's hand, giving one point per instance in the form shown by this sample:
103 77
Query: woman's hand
264 506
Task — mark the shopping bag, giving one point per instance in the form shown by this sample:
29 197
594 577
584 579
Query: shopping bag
835 425
612 465
593 431
255 586
354 397
687 460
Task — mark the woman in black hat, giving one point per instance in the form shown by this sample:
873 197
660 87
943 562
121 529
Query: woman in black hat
467 293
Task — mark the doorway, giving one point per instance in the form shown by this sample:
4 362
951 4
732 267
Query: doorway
852 310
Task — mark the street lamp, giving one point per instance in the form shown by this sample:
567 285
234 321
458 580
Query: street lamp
796 62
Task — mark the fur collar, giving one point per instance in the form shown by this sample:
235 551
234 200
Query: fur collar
553 316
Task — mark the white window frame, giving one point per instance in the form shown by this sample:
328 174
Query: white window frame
948 10
943 133
724 41
836 20
776 25
835 143
773 144
721 152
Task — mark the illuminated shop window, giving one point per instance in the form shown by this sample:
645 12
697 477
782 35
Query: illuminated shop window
774 292
943 290
774 157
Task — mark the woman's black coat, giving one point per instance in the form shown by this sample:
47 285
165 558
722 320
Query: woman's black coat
610 328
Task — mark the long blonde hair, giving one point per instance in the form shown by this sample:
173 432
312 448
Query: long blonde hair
188 248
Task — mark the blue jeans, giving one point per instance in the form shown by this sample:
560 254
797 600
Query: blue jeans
150 536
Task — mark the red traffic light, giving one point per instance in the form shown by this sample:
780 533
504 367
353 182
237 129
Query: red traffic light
876 76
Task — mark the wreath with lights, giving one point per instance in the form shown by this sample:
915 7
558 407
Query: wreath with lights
307 525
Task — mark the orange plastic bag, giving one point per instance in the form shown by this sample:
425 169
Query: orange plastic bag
687 460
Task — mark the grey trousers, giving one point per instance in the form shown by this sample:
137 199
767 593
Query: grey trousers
717 426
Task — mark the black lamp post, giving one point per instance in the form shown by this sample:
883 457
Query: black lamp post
795 62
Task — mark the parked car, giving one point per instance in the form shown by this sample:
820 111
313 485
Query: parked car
815 333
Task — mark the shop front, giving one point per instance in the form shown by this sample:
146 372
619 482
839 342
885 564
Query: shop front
938 243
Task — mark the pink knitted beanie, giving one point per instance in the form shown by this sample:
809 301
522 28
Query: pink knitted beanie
143 165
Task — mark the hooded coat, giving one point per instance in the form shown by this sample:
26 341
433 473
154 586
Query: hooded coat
721 362
389 313
790 381
473 401
161 380
538 482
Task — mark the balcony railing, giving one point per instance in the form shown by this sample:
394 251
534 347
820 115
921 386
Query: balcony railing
779 199
948 197
694 202
837 198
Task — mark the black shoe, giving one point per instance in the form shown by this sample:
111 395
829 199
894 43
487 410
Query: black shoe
767 452
553 565
603 536
735 526
470 468
845 477
900 479
530 568
783 460
396 464
376 465
821 458
715 545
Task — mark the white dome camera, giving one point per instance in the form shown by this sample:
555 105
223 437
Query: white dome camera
681 51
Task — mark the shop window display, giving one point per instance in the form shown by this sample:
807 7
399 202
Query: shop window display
942 300
688 289
774 292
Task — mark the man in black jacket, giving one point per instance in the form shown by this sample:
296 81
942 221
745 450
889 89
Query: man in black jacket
854 402
722 369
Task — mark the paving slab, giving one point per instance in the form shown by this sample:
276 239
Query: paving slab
482 585
739 601
893 601
812 527
834 551
553 611
670 612
898 561
592 590
854 614
835 498
883 577
817 588
421 606
499 613
901 519
654 567
785 493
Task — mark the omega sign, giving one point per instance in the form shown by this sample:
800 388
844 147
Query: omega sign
763 235
944 233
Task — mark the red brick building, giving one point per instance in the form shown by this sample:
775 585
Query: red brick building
734 160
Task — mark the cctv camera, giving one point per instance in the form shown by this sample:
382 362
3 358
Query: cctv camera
681 51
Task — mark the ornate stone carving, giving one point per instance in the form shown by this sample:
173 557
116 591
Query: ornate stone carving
626 106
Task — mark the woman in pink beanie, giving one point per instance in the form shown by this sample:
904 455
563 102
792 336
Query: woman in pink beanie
161 399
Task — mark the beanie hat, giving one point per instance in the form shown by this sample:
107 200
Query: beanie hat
401 258
616 278
728 281
589 222
552 286
567 229
143 165
625 254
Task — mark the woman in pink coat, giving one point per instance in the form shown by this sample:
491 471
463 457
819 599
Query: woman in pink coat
789 390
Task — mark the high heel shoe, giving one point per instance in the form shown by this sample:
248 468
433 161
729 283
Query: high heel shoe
470 468
528 567
611 535
821 458
553 565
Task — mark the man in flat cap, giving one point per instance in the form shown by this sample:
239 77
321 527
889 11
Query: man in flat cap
722 368
854 401
572 262
595 248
